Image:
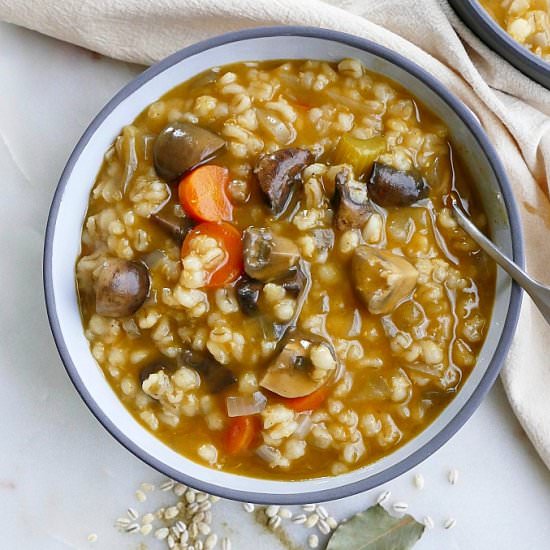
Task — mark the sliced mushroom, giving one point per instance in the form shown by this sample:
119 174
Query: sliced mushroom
292 372
248 294
121 287
182 146
278 171
267 256
175 224
215 375
381 278
390 187
293 282
352 201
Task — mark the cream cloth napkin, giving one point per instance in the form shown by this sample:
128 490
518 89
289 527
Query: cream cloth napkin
514 111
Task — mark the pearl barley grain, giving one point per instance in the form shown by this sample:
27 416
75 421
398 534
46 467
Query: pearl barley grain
313 541
323 526
211 541
449 523
168 485
171 512
419 481
272 510
275 522
147 518
285 513
400 507
162 533
453 476
312 520
322 512
179 490
122 523
428 522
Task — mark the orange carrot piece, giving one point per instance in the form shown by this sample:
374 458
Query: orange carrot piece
228 238
308 402
241 434
203 194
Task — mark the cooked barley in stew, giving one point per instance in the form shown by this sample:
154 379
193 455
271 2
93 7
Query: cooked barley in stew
526 21
270 278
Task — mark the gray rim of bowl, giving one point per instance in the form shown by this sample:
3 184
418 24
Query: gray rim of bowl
493 35
502 347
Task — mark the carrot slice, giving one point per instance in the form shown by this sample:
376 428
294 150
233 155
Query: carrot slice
308 402
203 194
241 434
228 238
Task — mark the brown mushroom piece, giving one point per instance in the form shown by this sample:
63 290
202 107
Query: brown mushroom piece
382 278
293 282
267 256
121 287
248 294
277 173
292 373
174 223
216 376
352 202
181 146
390 187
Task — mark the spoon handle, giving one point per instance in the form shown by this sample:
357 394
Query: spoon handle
540 294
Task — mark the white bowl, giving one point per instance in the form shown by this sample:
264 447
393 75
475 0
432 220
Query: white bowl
69 206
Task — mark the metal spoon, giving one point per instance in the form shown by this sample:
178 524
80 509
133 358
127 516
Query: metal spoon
539 293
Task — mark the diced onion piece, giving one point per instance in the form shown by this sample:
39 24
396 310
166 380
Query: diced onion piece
267 453
153 258
355 329
131 328
304 425
245 405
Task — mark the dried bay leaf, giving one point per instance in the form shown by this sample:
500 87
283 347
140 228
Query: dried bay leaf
375 529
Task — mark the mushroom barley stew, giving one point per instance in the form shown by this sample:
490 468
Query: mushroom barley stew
526 21
270 279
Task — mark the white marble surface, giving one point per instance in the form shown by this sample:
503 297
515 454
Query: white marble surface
61 475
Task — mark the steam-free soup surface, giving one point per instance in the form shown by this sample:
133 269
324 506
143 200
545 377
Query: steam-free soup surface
270 278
